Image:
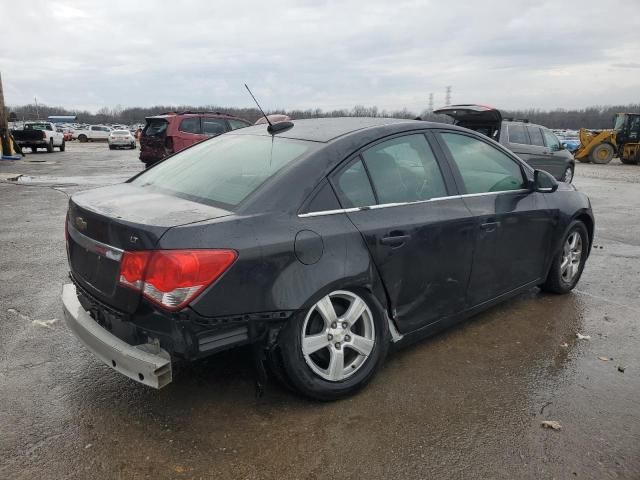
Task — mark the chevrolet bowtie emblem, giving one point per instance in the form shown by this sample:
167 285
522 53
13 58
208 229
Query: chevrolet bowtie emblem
80 223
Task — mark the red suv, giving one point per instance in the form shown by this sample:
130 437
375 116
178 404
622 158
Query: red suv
171 132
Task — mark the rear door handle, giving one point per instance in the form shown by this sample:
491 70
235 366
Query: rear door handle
394 240
490 226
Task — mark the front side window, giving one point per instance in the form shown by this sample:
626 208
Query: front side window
353 184
518 135
190 125
213 126
552 141
225 169
404 170
483 167
536 136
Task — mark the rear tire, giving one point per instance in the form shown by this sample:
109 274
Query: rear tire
50 146
62 146
602 154
629 161
338 360
34 149
568 263
111 147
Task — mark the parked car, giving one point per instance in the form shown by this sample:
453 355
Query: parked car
569 140
323 243
92 133
36 135
274 118
535 144
166 134
121 139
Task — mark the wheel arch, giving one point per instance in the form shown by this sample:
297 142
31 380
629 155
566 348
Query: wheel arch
588 221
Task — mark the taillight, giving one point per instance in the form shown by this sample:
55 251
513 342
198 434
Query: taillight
44 135
173 278
168 143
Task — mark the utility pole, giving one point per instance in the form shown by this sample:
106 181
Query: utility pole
5 139
35 99
448 95
3 116
430 103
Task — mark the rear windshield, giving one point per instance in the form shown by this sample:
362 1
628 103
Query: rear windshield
37 126
120 132
155 127
225 169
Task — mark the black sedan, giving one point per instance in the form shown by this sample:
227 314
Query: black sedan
322 244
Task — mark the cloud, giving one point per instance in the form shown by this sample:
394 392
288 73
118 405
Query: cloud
329 54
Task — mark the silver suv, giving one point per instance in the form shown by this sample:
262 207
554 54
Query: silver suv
535 144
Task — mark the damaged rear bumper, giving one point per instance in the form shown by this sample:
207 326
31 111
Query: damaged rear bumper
147 363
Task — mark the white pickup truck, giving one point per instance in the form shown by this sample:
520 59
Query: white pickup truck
92 133
39 135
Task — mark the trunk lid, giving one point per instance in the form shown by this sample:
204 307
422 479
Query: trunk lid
153 141
465 115
105 222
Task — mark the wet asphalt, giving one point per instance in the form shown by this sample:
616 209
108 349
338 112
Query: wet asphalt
467 403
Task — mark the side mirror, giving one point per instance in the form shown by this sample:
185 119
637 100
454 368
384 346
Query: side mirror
544 182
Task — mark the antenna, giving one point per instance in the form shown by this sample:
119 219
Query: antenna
259 107
272 129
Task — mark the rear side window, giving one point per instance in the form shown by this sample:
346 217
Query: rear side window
225 169
483 167
190 125
353 184
213 126
536 136
404 170
517 134
236 124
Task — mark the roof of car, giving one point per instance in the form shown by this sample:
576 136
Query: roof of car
324 129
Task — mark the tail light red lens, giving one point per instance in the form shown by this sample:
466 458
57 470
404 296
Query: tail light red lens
173 278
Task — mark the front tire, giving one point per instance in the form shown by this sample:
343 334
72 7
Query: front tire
568 264
335 347
567 176
602 154
62 146
82 138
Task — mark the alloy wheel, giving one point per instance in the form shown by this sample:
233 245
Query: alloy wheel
571 257
568 175
338 335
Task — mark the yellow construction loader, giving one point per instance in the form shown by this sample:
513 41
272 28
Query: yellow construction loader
623 140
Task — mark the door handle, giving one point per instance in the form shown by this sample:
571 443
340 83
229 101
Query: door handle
490 226
394 240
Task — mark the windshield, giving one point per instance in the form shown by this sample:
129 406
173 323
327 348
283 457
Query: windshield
225 169
620 121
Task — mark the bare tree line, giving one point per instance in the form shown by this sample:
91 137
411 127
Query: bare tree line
595 117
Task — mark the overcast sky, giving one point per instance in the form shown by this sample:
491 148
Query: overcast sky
326 54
